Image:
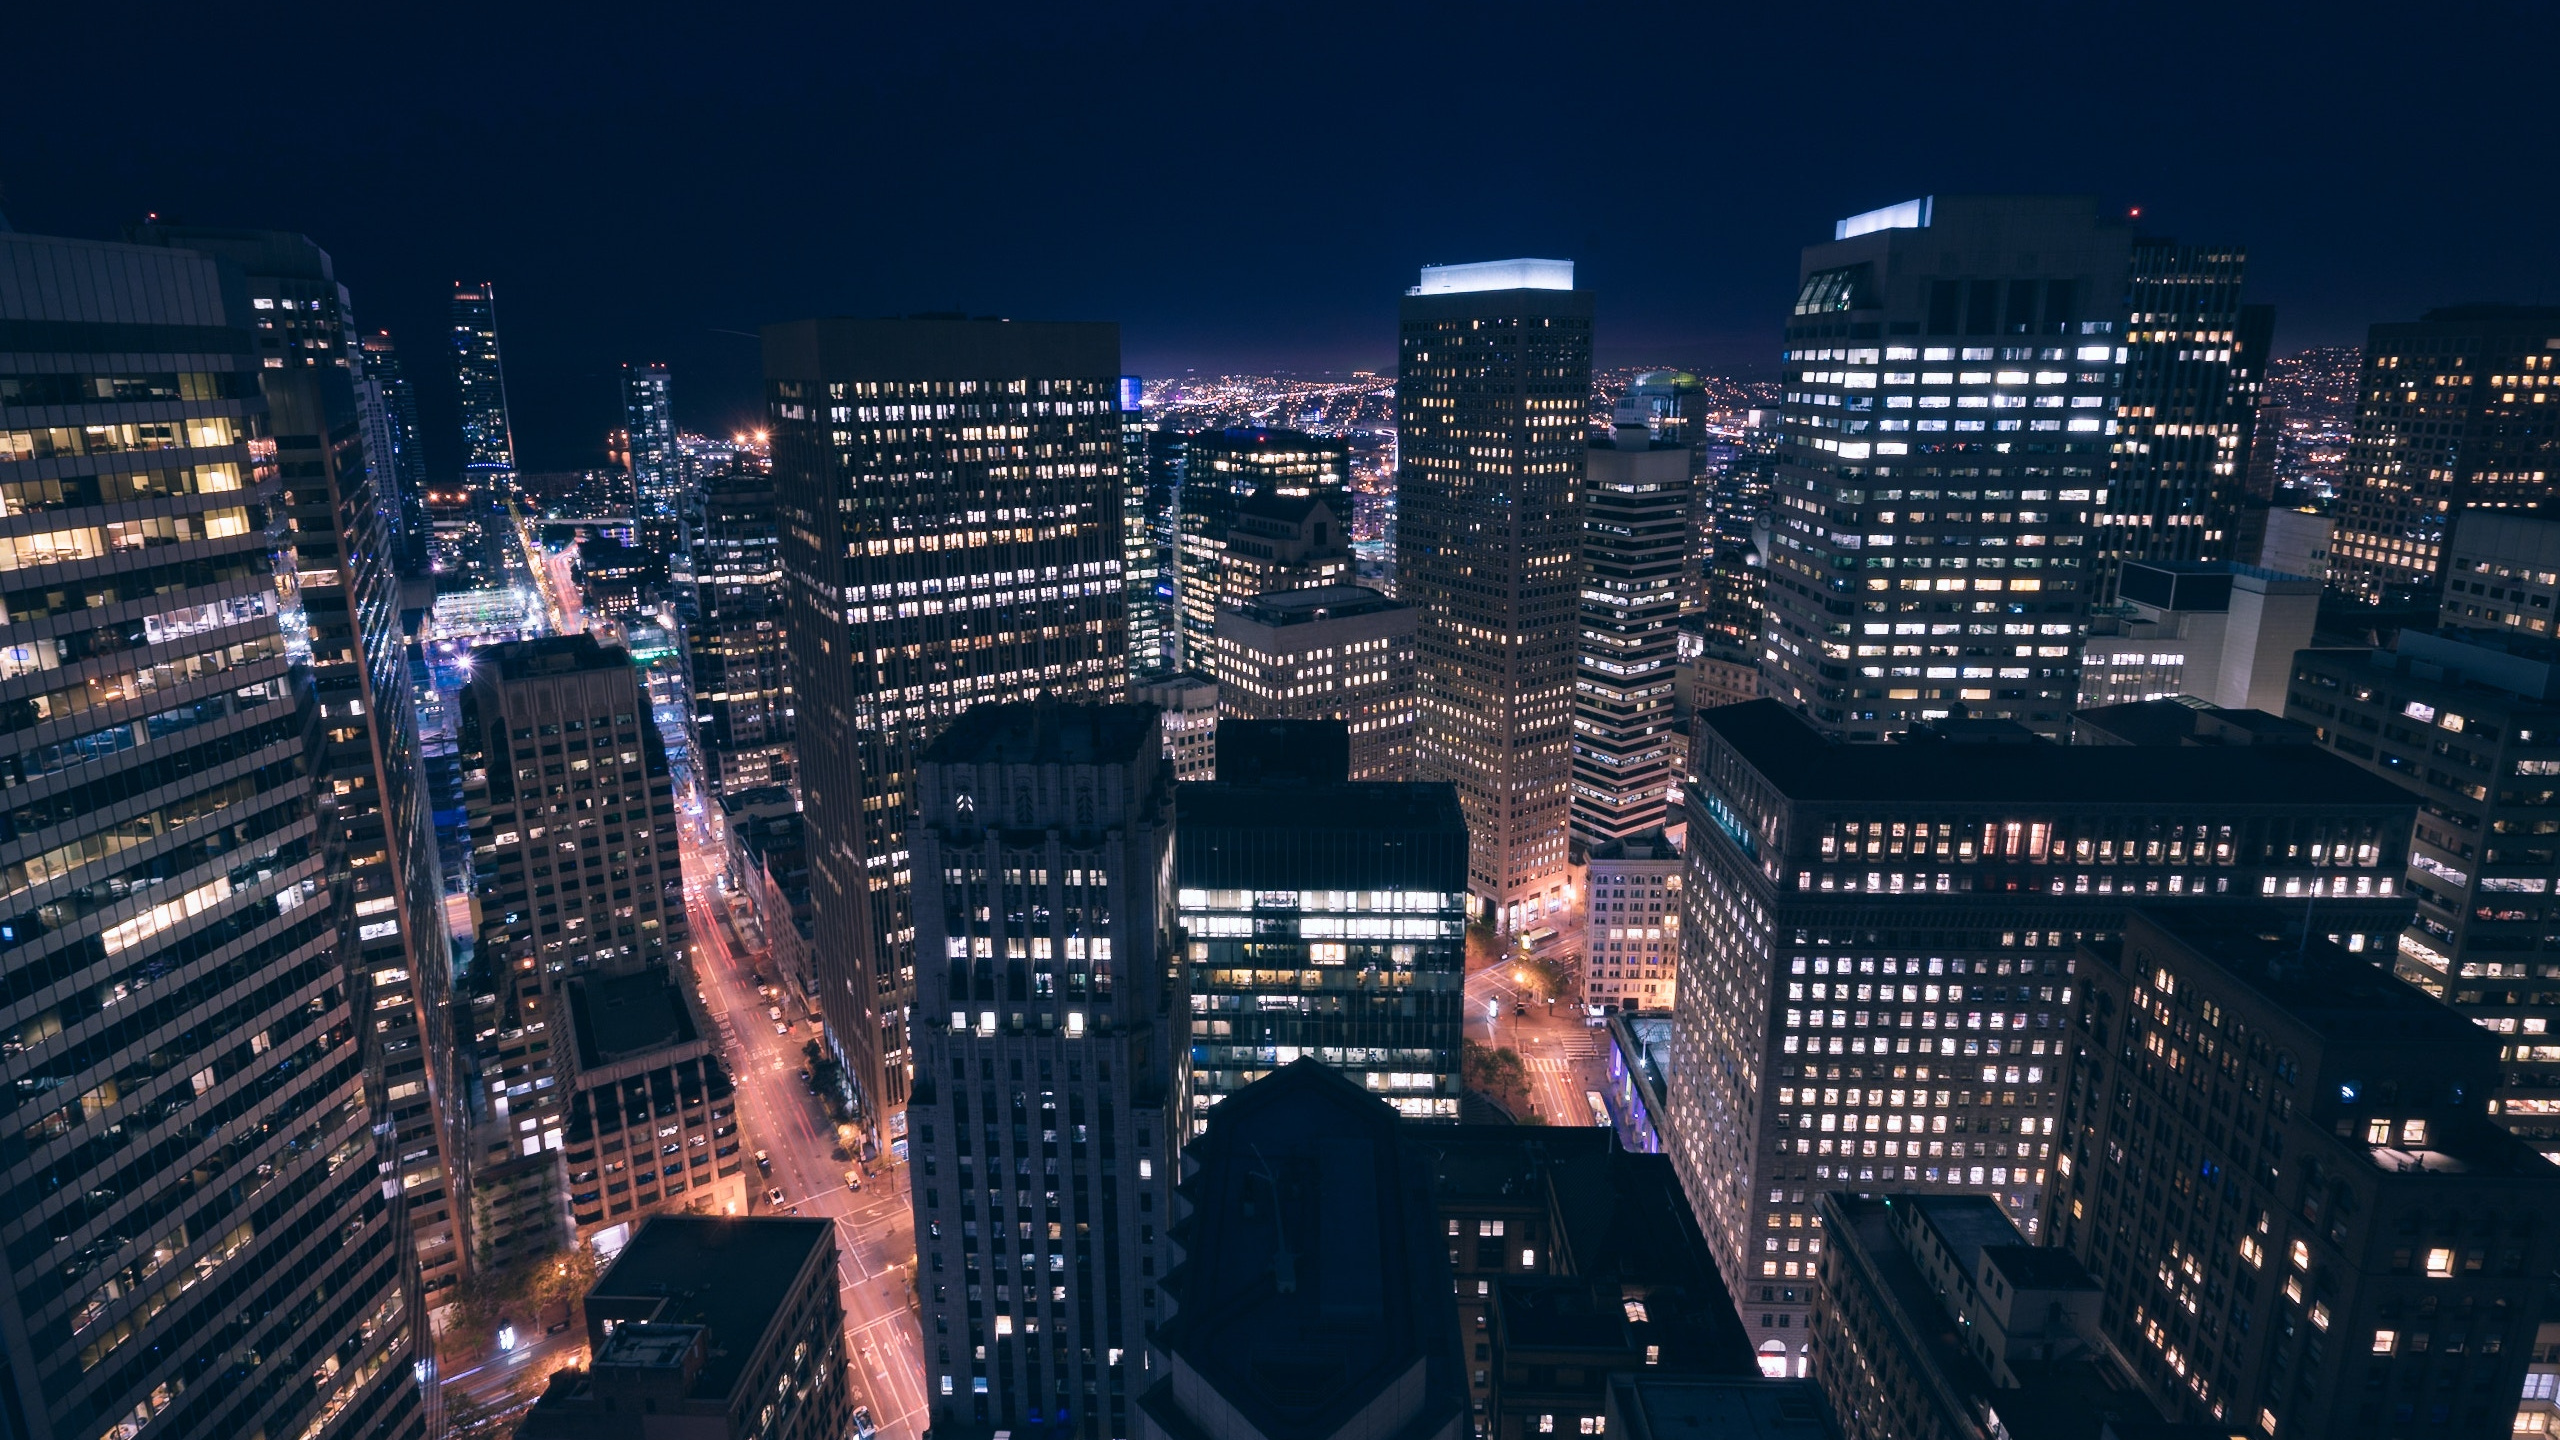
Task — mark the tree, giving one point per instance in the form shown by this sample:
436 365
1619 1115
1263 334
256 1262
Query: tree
1498 1074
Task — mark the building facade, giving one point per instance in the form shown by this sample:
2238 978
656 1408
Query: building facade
1636 532
561 767
1145 512
929 563
407 474
2338 1242
2445 424
1188 705
1493 383
1327 919
1046 1120
1280 500
2502 579
195 1147
2194 370
737 649
1947 434
1341 652
1631 948
1911 988
657 472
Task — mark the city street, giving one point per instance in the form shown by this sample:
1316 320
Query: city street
875 1228
1567 1059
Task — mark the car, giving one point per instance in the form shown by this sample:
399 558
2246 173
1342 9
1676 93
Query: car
862 1426
764 1162
780 1028
853 1179
773 1012
774 1197
1519 1007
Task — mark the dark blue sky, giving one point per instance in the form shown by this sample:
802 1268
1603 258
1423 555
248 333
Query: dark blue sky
1249 185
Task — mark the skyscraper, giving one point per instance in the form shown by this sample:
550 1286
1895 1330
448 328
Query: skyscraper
407 466
488 438
1343 652
657 472
1325 918
2453 413
1287 492
952 507
386 882
1048 1103
1952 372
1636 531
1144 510
736 649
1493 384
199 1241
2195 363
2340 1237
1876 968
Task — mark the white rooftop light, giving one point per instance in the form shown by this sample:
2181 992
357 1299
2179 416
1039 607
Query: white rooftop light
1909 215
1495 275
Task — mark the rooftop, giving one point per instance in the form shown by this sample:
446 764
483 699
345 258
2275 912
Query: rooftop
616 1016
1494 275
1343 835
551 655
1808 768
1718 1408
1041 732
2184 720
732 1275
1324 602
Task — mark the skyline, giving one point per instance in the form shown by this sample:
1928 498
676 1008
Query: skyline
659 204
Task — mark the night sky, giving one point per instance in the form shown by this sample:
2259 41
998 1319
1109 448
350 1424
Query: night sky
1246 185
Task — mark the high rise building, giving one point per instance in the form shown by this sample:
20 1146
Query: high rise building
1876 942
488 437
408 463
726 1329
2194 369
1952 374
1493 383
736 650
1636 530
1342 652
657 471
2341 1243
581 961
929 569
1261 510
1733 586
2445 424
1145 512
386 881
2502 580
1323 918
200 1241
1310 1250
1047 1103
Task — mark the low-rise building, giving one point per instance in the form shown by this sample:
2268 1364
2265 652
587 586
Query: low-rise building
709 1329
1639 1071
1631 953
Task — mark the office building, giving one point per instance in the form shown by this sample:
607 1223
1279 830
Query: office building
197 1161
1573 1261
1876 943
1947 433
1047 1111
1938 1321
2502 579
1493 382
2220 632
1261 510
562 767
1342 652
718 1328
1631 947
1310 1298
1146 512
927 570
2295 542
488 437
407 474
658 480
2472 731
2445 424
2339 1242
1189 709
737 650
1635 551
386 882
1732 556
1322 918
2194 368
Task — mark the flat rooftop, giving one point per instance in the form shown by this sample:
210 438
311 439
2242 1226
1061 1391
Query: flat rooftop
1042 733
729 1274
1324 602
1346 835
618 1016
1809 768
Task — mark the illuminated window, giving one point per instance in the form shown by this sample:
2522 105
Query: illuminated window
2386 1342
2440 1263
2301 1255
